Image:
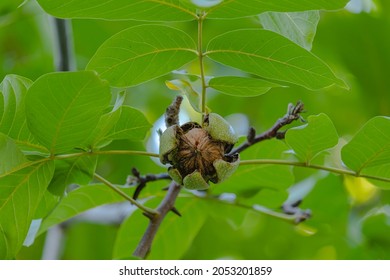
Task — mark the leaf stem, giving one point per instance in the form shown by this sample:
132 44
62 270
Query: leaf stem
201 64
110 152
125 196
313 166
126 152
260 209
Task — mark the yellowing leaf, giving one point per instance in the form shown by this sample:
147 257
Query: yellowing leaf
360 189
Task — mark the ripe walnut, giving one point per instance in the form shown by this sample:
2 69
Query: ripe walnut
198 154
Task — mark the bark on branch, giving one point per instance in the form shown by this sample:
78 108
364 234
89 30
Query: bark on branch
293 113
163 209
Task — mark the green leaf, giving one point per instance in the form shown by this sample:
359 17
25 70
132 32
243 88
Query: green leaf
180 230
186 88
243 8
368 152
312 138
299 27
124 122
270 198
48 202
20 194
256 177
230 212
148 10
72 171
131 231
106 123
10 156
13 89
241 86
64 108
78 201
12 112
142 53
131 125
271 56
375 226
7 6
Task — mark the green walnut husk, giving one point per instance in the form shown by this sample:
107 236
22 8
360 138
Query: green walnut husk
199 154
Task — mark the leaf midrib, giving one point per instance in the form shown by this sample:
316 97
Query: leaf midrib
60 7
269 59
25 179
146 54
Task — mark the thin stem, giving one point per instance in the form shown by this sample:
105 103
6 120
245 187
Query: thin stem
111 152
201 64
260 209
312 166
126 152
68 156
147 210
142 181
164 208
293 113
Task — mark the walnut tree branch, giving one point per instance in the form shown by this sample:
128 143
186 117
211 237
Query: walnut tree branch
293 113
163 209
64 54
141 181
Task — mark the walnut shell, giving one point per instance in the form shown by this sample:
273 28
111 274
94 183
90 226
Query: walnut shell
197 154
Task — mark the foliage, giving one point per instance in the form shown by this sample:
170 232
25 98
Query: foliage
60 129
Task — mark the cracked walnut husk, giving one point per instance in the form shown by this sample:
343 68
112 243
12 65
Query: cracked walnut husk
199 154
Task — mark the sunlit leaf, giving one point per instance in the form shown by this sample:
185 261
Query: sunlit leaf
258 176
360 189
72 171
266 197
20 193
46 205
242 8
142 53
312 138
106 123
10 156
148 10
241 86
78 201
185 88
64 108
369 150
299 27
131 125
178 10
13 122
272 56
225 211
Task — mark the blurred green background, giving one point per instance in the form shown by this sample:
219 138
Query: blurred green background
347 223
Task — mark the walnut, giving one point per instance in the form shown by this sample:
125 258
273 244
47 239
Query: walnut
198 154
